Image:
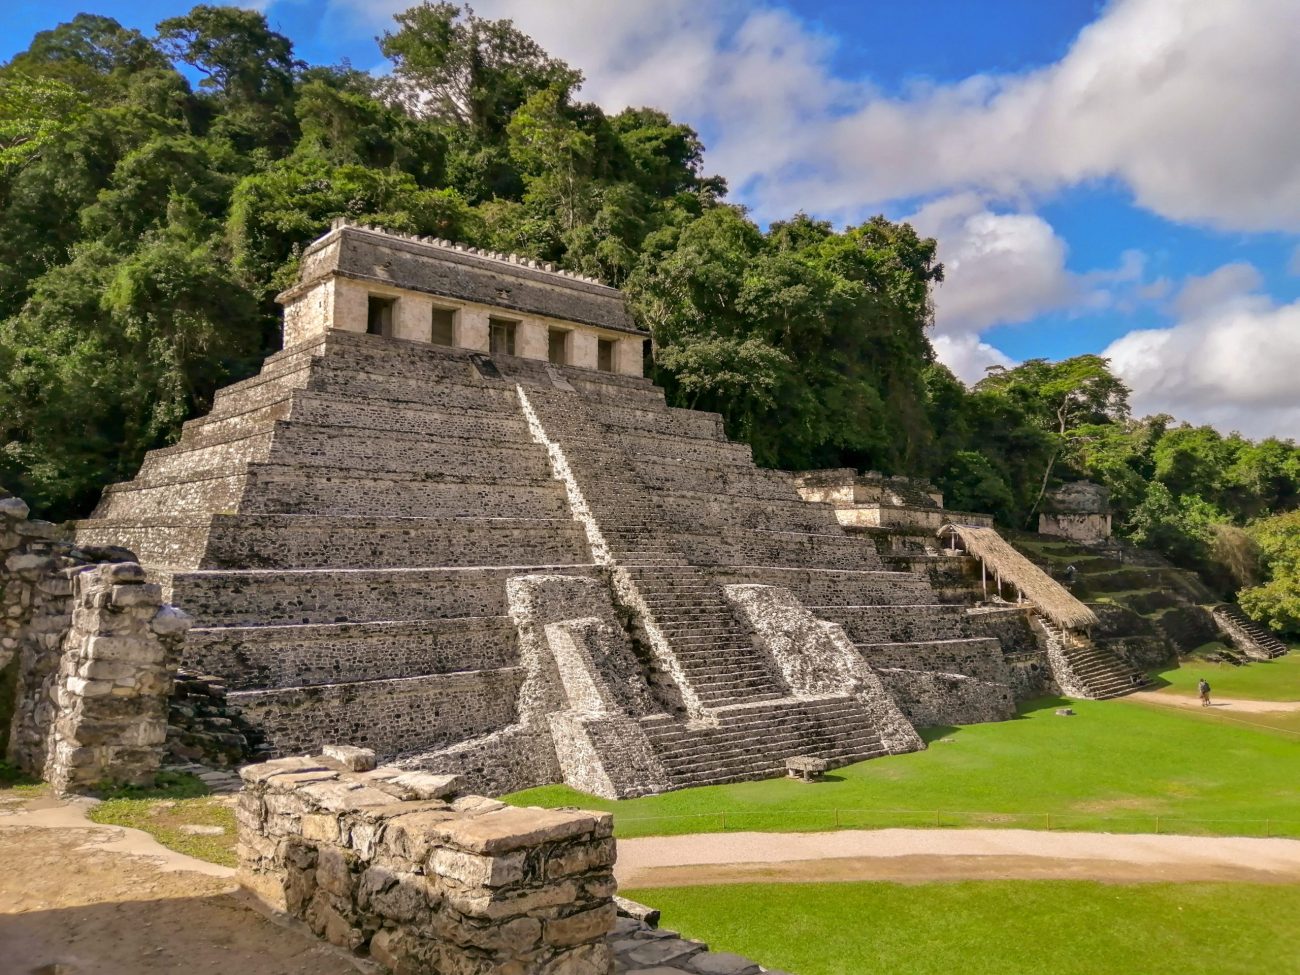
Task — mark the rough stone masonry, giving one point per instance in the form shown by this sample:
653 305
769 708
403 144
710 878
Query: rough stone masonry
90 650
404 868
396 864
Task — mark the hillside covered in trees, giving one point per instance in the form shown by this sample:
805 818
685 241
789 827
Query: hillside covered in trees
155 191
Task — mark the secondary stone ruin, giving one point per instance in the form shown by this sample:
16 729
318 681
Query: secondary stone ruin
451 522
1079 510
87 653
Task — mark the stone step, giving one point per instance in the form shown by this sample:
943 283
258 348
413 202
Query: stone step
720 752
309 596
327 377
298 655
299 541
309 445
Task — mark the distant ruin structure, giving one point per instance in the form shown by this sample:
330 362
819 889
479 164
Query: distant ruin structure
1079 510
452 523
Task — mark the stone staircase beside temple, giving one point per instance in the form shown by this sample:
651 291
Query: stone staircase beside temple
683 512
1249 637
751 742
1084 669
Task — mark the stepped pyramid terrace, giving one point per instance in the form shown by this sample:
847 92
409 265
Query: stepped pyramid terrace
452 522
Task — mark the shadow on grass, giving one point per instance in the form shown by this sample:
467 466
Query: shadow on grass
167 785
937 732
1034 705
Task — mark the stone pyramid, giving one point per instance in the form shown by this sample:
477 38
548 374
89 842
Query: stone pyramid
524 570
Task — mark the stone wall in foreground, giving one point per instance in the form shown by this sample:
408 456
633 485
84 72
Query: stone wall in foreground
89 649
396 864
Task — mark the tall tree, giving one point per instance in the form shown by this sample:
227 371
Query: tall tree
242 60
1061 397
452 65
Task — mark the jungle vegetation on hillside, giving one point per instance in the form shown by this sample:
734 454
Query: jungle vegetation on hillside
155 192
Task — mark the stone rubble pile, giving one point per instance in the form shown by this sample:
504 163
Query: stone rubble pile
203 727
643 949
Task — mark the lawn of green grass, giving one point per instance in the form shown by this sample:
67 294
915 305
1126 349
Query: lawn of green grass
994 927
177 801
1115 765
1260 680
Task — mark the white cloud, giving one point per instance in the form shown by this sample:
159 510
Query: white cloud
1185 101
1227 284
1182 100
968 357
1231 361
998 267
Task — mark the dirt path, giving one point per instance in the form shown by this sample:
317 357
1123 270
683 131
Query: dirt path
81 899
1229 704
918 856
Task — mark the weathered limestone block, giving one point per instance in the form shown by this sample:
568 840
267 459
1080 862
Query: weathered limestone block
629 356
350 757
413 318
531 339
930 699
583 350
428 885
472 330
113 681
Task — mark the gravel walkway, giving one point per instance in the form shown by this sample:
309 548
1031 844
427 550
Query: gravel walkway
1228 704
919 855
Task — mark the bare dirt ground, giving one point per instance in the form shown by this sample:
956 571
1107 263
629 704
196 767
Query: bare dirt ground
1229 704
920 856
80 899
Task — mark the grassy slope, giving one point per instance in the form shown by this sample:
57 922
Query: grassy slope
1261 680
1116 765
995 928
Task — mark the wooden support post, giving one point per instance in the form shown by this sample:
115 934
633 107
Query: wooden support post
984 578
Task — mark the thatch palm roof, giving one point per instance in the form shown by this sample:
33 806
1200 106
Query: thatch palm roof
1052 599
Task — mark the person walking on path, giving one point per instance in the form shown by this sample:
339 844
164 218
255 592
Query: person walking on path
1203 687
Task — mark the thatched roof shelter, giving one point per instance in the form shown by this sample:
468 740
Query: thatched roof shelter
1052 599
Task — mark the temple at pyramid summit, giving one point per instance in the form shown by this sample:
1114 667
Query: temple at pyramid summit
452 522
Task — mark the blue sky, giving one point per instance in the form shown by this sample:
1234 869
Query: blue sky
1117 177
